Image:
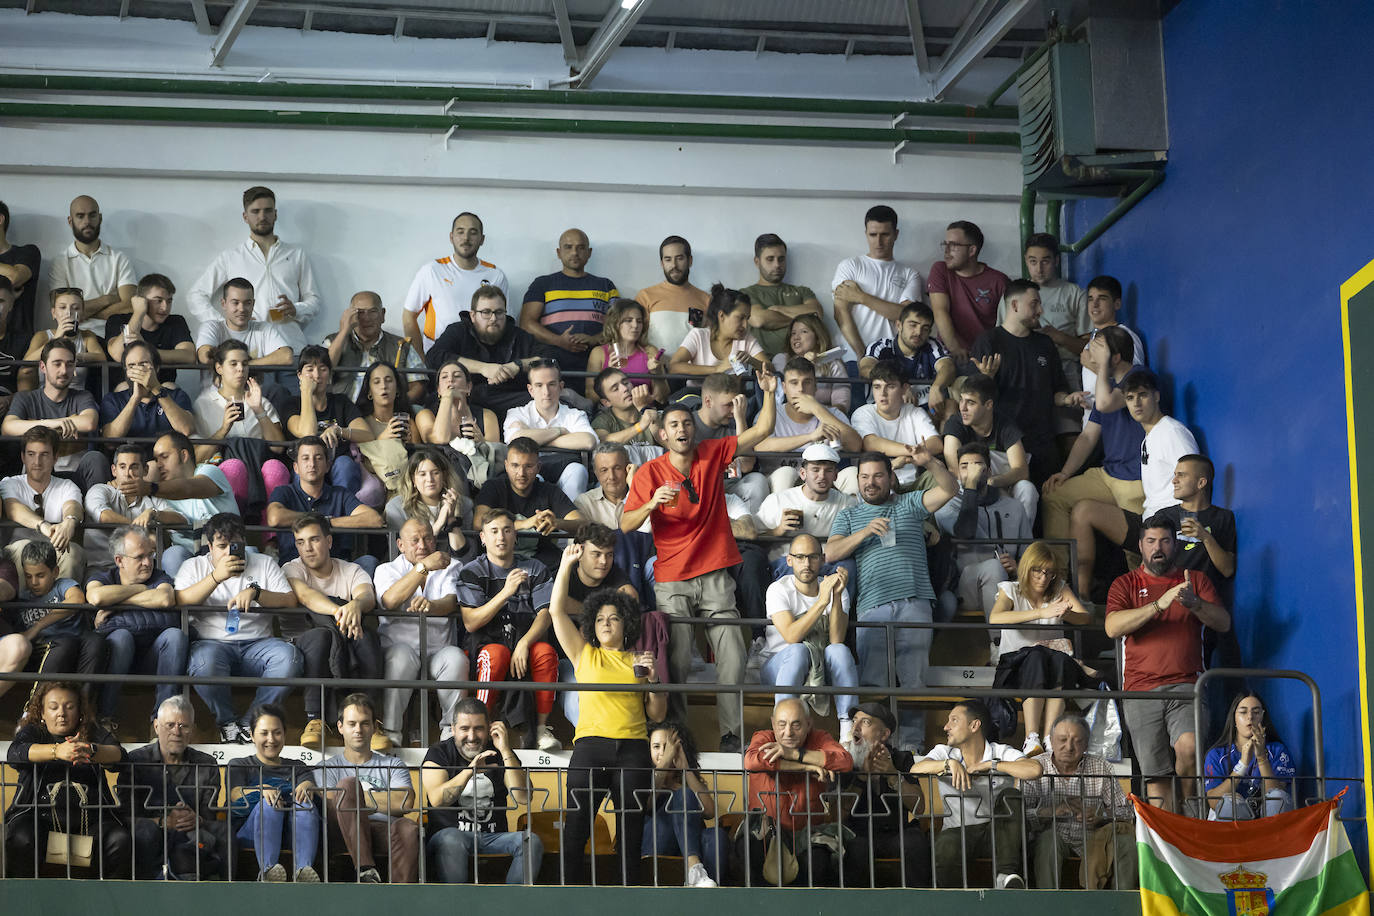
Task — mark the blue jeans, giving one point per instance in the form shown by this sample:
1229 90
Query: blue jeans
676 828
345 472
790 666
450 854
160 653
172 558
264 832
568 699
267 657
911 652
851 587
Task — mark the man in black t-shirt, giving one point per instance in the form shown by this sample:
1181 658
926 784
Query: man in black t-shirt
493 350
466 780
978 421
18 264
886 794
539 507
1030 378
151 321
320 411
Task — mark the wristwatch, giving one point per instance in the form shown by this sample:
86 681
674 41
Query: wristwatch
257 590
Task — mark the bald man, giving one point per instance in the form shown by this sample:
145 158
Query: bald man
105 277
790 765
565 311
360 341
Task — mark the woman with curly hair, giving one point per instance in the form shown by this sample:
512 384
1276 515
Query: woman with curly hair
611 746
61 753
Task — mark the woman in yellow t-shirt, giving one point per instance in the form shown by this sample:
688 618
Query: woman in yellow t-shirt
611 747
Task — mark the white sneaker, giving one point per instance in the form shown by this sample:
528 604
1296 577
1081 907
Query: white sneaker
846 730
697 877
1011 882
1033 746
546 741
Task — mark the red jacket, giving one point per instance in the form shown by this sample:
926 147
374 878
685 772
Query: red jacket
800 791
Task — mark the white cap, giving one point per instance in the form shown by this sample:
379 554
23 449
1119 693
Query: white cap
819 451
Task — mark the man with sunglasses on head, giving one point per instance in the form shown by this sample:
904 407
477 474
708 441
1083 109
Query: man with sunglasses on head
682 494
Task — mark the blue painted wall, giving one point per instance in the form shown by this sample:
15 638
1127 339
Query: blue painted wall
1232 269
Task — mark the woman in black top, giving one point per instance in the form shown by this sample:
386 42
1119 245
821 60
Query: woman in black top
60 741
263 789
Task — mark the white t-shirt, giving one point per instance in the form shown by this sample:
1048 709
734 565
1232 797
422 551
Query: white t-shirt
526 416
698 344
104 496
209 409
198 509
442 291
343 579
1012 640
283 271
885 279
252 625
913 426
784 596
59 492
262 337
817 517
1064 306
972 806
404 629
1169 441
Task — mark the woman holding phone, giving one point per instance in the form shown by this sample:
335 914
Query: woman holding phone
611 746
724 343
272 801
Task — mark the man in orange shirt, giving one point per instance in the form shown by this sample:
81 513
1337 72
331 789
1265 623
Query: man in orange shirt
682 494
790 766
667 304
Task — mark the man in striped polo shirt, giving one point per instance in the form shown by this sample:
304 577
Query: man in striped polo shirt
565 310
885 535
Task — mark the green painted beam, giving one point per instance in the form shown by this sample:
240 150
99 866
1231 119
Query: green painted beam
43 111
541 97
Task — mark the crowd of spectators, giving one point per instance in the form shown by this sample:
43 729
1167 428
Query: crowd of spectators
542 490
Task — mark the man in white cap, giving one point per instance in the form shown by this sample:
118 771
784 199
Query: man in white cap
808 508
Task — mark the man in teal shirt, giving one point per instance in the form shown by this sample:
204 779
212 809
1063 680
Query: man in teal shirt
885 535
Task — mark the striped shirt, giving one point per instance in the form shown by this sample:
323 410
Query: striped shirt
576 304
896 574
441 291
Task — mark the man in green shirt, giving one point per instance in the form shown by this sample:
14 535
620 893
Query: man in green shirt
775 303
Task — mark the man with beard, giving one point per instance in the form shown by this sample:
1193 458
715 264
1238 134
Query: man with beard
565 310
667 305
808 508
924 362
887 794
68 411
279 271
1030 377
682 494
467 779
872 289
444 287
964 292
1160 610
493 350
775 303
885 534
361 341
540 508
104 276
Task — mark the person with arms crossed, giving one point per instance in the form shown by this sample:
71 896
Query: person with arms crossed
870 290
104 275
774 302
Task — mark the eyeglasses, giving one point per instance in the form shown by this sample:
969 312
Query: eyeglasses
805 556
1043 572
177 726
946 246
692 496
489 313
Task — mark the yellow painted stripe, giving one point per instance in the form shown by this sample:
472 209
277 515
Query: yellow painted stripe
1349 288
1153 903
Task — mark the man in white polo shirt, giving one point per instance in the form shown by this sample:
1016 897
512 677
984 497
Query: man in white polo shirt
420 583
104 276
443 288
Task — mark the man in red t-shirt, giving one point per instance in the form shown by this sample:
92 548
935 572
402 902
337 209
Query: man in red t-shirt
964 292
682 494
1160 611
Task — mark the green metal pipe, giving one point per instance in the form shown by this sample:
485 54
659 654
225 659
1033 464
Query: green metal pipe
1054 214
1002 87
1027 220
500 124
1120 210
544 97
